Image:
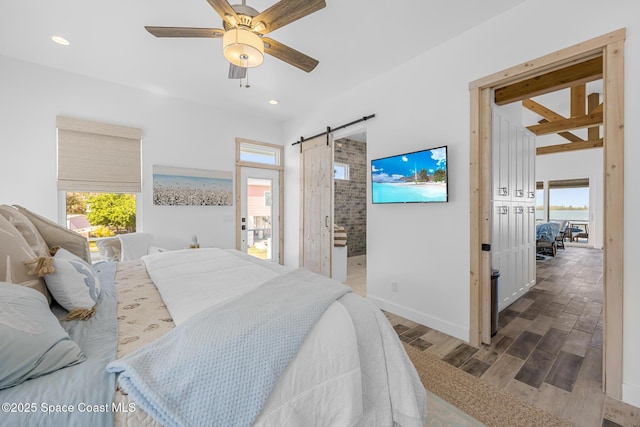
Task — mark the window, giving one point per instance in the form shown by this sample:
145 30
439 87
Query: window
98 157
99 172
99 215
569 200
96 215
539 202
263 154
341 171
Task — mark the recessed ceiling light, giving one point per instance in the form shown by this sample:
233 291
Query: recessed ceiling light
274 101
60 40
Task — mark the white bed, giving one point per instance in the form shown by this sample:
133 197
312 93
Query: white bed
337 378
335 359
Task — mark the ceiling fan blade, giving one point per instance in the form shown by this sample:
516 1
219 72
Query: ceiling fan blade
285 12
225 11
236 72
289 55
185 32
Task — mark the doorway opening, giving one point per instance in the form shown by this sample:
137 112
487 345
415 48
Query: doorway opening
350 211
610 48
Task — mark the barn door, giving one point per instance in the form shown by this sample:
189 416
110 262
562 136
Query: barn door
316 195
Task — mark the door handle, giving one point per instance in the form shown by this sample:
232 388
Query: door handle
326 221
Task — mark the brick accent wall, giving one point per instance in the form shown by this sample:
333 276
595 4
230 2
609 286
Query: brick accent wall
350 205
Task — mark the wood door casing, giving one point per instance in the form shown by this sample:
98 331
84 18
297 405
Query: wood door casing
611 48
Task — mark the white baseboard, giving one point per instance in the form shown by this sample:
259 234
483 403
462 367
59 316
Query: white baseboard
631 394
418 317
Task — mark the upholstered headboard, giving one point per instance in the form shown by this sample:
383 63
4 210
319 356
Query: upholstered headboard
56 235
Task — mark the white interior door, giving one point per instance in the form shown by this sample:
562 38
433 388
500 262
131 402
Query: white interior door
513 197
259 213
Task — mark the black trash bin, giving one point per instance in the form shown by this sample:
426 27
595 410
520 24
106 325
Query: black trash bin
494 301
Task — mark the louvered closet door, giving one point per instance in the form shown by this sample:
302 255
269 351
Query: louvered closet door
513 233
531 206
522 279
501 158
316 186
521 267
501 255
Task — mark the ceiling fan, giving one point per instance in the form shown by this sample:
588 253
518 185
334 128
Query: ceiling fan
243 41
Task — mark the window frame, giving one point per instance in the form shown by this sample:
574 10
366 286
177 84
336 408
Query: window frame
345 168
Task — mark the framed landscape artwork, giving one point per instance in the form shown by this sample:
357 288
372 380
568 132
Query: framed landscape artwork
174 186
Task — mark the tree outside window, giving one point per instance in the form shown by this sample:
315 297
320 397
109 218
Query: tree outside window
101 214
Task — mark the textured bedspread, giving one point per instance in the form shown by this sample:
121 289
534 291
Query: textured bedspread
142 318
205 370
142 315
349 371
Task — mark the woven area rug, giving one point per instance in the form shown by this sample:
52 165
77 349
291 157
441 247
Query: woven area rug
482 401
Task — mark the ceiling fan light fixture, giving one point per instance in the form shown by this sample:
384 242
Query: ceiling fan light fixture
243 48
260 26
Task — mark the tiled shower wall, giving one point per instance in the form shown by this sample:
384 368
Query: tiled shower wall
350 206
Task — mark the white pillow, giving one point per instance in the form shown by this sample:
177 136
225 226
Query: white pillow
109 248
32 342
74 284
56 235
26 228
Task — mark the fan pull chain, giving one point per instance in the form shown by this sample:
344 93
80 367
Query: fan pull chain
247 85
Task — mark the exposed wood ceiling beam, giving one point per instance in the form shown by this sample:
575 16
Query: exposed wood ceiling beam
573 75
593 103
541 110
594 119
578 100
571 137
572 146
549 116
598 109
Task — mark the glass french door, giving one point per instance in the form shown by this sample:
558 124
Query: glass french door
259 213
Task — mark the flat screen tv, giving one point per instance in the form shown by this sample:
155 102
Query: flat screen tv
418 177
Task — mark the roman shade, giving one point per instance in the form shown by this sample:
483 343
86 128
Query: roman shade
569 183
98 157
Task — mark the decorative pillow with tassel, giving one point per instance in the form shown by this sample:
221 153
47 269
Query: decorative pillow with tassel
14 253
74 285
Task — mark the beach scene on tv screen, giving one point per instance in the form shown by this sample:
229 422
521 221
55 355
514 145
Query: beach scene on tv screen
410 178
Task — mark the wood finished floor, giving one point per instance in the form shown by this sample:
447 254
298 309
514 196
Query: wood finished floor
548 349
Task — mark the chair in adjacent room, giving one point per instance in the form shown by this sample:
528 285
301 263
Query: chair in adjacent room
581 233
546 238
564 226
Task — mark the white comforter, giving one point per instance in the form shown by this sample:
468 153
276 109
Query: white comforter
325 384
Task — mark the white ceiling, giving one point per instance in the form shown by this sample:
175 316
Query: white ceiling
354 40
